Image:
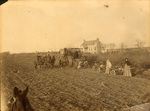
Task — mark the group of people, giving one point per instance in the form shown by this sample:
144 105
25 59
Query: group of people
108 70
126 71
46 58
82 64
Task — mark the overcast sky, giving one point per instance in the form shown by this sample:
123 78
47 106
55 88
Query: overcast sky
29 26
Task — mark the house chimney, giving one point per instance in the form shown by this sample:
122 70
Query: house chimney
97 39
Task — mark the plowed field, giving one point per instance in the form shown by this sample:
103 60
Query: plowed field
69 89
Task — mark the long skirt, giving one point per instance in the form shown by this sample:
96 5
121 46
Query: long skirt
127 71
107 71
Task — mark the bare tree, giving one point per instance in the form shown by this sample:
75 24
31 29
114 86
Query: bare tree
103 46
108 47
139 44
112 46
123 46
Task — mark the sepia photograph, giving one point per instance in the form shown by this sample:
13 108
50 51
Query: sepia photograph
77 55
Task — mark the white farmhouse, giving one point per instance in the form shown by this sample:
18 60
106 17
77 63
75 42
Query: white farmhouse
92 46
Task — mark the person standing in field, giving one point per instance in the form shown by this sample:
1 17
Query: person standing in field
101 66
79 65
38 56
108 66
53 60
48 57
127 71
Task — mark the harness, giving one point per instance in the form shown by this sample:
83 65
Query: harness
13 104
14 100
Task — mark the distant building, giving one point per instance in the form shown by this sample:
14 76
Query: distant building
92 46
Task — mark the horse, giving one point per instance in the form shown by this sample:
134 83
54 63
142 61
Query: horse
20 101
43 62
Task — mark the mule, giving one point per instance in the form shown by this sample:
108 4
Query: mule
20 101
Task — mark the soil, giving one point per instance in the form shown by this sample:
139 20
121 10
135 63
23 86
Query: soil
69 89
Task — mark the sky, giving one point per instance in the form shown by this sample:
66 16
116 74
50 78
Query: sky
40 25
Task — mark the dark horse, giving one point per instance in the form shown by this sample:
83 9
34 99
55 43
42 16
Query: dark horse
20 101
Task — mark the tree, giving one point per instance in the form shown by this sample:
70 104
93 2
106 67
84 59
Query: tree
123 46
108 47
112 46
104 47
139 44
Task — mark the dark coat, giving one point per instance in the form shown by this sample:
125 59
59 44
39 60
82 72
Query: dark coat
128 63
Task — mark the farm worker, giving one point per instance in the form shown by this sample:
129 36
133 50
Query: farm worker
76 62
101 66
79 65
48 53
85 64
38 56
113 72
53 60
95 66
108 66
48 57
127 71
76 54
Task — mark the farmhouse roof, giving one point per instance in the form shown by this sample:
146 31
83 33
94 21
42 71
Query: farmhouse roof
86 43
